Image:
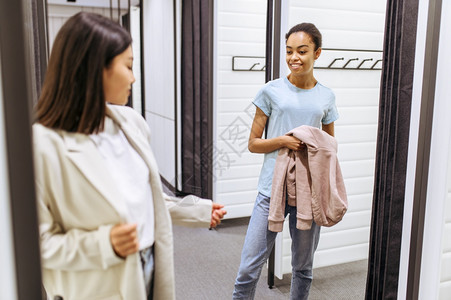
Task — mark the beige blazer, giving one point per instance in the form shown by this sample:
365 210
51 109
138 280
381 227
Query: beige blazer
78 205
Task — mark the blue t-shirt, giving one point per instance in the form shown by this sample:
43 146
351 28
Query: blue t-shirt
288 107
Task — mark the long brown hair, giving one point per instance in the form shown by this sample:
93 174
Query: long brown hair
72 95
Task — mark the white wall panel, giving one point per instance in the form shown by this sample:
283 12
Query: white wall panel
163 144
435 260
242 7
7 261
345 5
240 27
158 32
58 15
445 274
358 96
356 151
349 134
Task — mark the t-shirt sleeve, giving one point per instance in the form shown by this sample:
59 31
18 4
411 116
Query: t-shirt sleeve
263 102
331 113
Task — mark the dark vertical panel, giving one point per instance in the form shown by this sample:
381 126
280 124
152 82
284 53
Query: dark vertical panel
17 106
276 47
273 28
392 148
141 37
176 107
41 45
208 160
423 151
269 45
268 77
197 98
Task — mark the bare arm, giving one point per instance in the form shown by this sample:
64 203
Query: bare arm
258 145
329 128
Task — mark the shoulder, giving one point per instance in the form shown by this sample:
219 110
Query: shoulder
44 136
48 147
271 87
125 112
279 82
325 90
127 115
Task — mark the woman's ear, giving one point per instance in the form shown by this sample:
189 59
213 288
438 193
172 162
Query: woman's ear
317 53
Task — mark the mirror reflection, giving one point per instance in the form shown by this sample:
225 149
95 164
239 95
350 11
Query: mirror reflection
347 64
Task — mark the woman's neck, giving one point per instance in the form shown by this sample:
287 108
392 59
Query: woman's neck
303 82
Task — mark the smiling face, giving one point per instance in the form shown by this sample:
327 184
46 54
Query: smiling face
118 78
301 53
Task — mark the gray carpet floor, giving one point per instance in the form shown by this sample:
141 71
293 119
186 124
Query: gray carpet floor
206 262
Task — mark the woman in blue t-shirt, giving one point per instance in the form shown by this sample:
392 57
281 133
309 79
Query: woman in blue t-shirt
285 103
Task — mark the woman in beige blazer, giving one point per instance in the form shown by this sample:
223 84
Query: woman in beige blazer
105 223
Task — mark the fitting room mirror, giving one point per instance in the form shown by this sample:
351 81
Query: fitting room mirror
350 64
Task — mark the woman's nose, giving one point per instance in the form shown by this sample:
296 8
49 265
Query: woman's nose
295 56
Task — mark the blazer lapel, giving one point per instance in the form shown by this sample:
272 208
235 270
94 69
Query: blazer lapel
82 151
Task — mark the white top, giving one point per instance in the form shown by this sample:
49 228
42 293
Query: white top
131 176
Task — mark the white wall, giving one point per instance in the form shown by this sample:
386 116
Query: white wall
445 274
7 270
435 277
435 280
59 13
413 144
240 30
135 31
159 82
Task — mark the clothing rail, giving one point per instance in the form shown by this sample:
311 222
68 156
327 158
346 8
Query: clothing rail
330 59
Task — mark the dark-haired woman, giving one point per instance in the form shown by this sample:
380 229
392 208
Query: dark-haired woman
105 224
286 103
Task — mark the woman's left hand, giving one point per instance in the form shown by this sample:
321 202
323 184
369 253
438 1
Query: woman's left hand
217 213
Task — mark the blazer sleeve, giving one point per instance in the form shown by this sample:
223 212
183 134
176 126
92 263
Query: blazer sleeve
189 211
75 249
72 249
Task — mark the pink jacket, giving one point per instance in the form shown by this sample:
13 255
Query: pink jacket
309 179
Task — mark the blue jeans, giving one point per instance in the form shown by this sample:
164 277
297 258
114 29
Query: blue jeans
258 244
148 265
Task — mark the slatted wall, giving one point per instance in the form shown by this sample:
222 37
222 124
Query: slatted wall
240 31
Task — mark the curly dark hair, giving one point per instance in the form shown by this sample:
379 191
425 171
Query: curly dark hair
310 29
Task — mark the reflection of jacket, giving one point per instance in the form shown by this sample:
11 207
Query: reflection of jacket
311 180
78 205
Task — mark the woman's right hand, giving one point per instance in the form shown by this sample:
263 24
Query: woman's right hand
124 239
291 142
